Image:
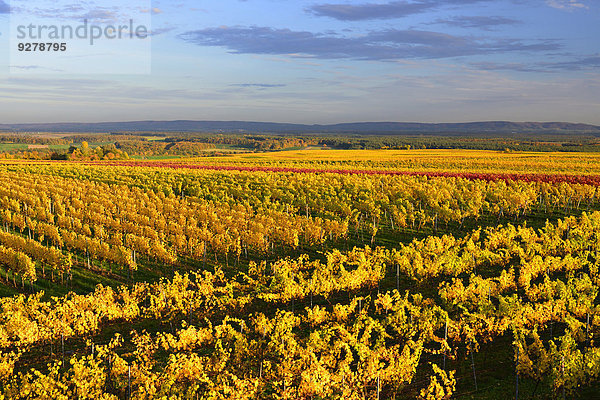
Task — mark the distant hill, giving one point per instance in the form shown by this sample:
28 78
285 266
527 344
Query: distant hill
398 128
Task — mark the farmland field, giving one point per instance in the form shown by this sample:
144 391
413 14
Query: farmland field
302 274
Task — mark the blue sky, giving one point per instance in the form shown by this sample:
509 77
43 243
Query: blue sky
327 61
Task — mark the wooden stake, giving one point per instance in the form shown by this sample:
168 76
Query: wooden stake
473 366
445 339
62 342
517 375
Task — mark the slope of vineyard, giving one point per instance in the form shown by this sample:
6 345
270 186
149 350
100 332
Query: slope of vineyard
447 161
547 178
137 281
444 161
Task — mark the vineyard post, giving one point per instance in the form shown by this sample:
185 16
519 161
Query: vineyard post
262 356
562 365
473 366
129 382
587 329
62 345
108 378
445 340
551 322
293 277
397 276
517 375
378 387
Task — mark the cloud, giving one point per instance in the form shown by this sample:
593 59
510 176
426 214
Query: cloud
74 12
259 85
82 11
481 22
583 63
160 31
389 44
589 62
154 10
567 4
517 67
86 90
26 67
99 15
33 67
4 8
349 12
394 9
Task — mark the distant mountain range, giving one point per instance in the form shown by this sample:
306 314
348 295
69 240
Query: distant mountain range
398 128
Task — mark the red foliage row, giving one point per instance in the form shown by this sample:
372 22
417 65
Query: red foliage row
549 178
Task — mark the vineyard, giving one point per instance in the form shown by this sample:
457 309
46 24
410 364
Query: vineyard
300 275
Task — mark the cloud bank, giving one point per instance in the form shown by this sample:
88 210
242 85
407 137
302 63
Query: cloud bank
383 45
4 8
478 22
567 4
391 10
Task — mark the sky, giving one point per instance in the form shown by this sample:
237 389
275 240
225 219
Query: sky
318 61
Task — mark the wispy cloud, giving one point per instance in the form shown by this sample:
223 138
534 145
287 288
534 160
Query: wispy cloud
590 62
4 8
78 11
160 31
516 67
73 12
76 90
258 85
26 67
394 9
567 4
583 63
32 67
152 11
349 12
99 14
480 22
390 44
